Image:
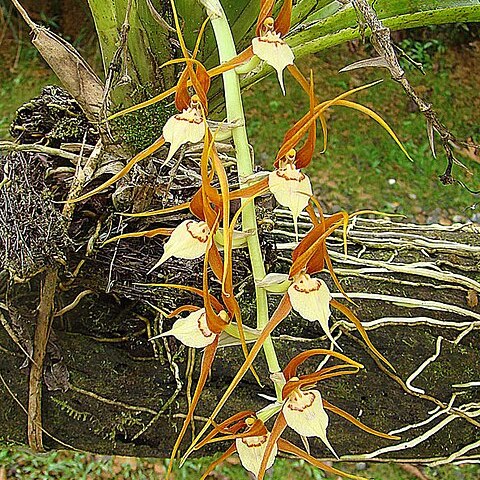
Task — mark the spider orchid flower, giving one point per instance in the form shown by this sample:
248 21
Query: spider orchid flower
272 49
251 451
304 413
290 187
310 297
193 330
186 126
188 240
304 409
250 442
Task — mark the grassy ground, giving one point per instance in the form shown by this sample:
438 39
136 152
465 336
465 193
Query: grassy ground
362 168
15 464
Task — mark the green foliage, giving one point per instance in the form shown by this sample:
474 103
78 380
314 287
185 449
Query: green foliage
23 465
421 52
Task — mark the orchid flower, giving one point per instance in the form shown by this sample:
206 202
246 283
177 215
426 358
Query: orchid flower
272 49
290 187
187 126
192 331
188 240
251 451
304 413
310 297
304 410
250 441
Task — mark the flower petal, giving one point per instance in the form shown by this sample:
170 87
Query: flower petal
305 414
187 126
273 50
188 240
192 330
291 189
310 297
251 451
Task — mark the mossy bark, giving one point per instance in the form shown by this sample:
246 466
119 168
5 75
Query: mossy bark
117 380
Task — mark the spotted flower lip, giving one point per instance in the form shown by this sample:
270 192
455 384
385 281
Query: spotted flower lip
251 451
304 413
188 240
192 330
186 126
272 49
310 297
291 188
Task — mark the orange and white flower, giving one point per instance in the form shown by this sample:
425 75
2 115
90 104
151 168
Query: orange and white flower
251 451
272 49
291 187
304 413
192 330
188 240
310 297
186 126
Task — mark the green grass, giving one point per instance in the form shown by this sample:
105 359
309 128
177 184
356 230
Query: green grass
361 157
19 83
20 464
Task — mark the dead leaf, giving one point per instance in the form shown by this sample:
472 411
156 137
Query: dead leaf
472 298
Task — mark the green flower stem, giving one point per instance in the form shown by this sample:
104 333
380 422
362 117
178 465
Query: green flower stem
233 100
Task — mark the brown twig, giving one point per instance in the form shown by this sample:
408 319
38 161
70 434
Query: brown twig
42 331
382 42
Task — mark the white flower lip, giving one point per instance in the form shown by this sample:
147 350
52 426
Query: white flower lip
274 51
251 451
304 413
188 240
291 188
310 297
192 330
187 126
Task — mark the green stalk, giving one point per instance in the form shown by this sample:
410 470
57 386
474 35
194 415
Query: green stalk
234 106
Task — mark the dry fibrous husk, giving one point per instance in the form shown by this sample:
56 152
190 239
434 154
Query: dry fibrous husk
52 118
33 233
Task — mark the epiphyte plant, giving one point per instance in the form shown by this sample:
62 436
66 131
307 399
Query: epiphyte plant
215 230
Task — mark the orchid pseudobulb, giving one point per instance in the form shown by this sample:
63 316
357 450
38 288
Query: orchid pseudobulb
186 126
272 49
